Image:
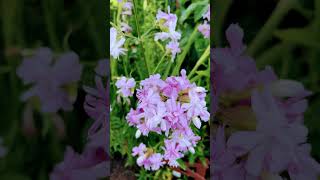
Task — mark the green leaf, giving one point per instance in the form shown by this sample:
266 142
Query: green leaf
301 36
182 164
191 9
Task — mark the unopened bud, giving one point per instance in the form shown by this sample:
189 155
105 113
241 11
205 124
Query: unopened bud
138 133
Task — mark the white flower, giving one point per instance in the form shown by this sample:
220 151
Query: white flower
116 46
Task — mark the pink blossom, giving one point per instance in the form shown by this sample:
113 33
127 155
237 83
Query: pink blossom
125 27
140 150
170 20
125 86
91 164
147 159
173 48
134 117
102 67
156 161
172 153
49 78
223 160
273 140
96 105
205 29
303 166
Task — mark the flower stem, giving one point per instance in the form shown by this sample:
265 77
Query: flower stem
160 62
139 35
203 57
186 49
265 34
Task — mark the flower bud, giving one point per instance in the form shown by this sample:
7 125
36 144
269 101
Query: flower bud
138 134
176 174
196 121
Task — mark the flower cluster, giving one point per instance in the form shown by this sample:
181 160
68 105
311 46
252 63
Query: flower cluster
125 86
205 27
274 138
168 24
126 11
168 106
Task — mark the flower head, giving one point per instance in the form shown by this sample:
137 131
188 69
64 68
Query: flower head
49 78
125 86
116 45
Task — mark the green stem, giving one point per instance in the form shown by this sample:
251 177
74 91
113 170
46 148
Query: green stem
139 35
167 70
160 62
50 24
204 57
185 51
135 17
221 8
113 69
11 16
265 34
119 13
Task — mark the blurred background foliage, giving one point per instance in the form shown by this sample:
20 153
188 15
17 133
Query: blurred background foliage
61 25
284 34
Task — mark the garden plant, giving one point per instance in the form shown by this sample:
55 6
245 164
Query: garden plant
159 90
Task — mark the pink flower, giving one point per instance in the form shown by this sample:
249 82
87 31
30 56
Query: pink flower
140 150
102 67
95 105
302 165
127 7
125 27
148 159
172 153
173 48
126 86
49 78
148 98
92 164
205 29
156 116
153 82
196 106
170 20
223 160
134 117
156 161
273 140
176 114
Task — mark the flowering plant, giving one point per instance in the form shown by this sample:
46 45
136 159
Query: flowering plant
270 137
158 112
